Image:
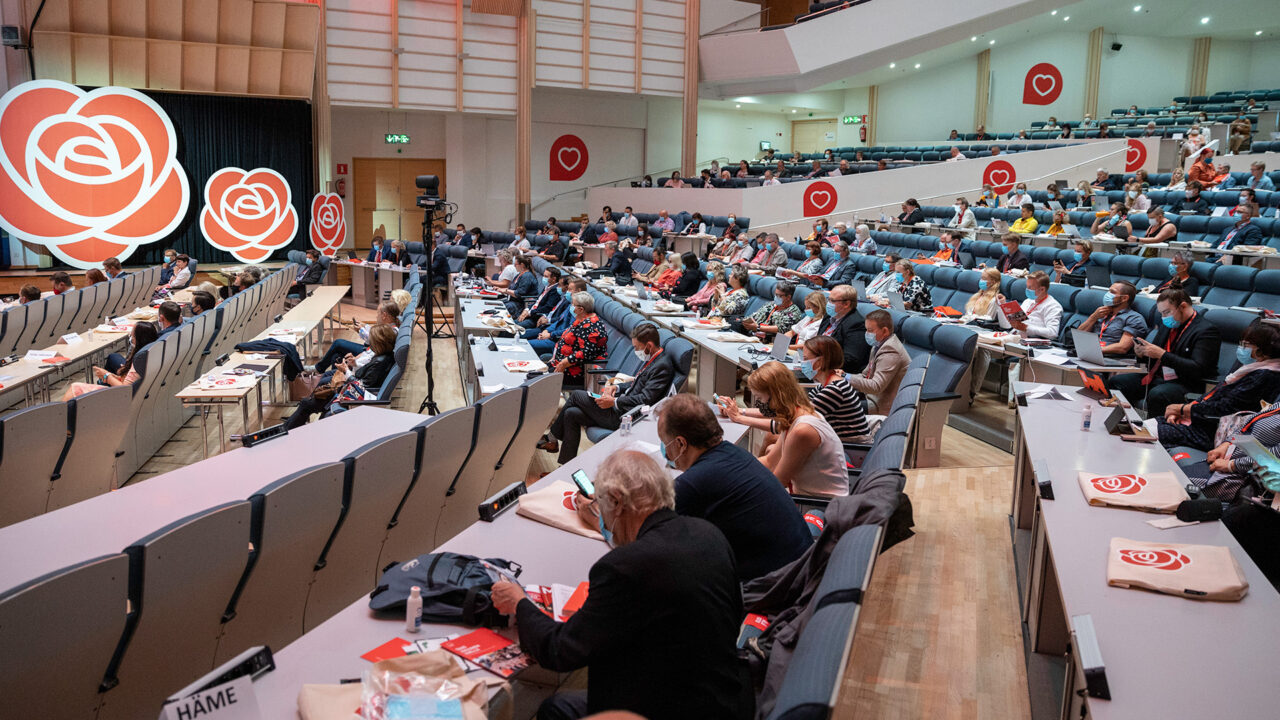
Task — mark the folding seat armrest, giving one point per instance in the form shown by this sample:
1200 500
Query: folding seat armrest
938 397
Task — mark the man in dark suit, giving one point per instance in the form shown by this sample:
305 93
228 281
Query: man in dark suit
309 274
439 267
581 410
1182 355
1243 232
547 300
170 315
847 328
378 253
659 627
618 262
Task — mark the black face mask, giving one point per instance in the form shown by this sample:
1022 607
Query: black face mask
764 408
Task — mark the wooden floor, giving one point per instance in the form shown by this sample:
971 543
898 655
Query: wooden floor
939 635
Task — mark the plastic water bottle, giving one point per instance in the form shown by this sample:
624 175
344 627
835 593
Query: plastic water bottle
625 429
1086 417
413 610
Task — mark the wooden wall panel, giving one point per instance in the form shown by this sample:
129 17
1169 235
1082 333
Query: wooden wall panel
265 72
296 74
236 21
200 21
56 15
233 70
301 26
198 63
164 65
128 18
129 62
91 58
87 16
268 25
54 59
163 22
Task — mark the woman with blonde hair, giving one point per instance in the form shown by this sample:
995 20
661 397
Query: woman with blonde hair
1084 194
711 290
982 305
807 457
1177 180
401 298
1135 199
815 311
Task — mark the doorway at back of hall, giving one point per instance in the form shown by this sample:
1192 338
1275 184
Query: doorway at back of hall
385 195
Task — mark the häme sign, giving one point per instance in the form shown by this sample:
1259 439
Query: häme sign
230 701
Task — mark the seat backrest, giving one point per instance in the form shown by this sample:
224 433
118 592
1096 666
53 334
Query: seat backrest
180 580
953 351
81 606
96 427
31 441
35 320
810 686
848 571
538 408
377 475
292 519
78 320
54 321
496 418
12 323
444 441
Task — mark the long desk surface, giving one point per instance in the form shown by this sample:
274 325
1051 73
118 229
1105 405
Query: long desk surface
332 650
1165 656
109 523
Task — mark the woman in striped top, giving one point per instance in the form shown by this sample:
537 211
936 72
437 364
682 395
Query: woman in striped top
844 408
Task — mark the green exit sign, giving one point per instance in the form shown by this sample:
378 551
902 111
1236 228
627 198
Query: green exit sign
851 119
396 139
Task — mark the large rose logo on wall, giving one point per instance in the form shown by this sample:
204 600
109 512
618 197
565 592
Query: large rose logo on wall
328 223
89 175
1162 559
248 213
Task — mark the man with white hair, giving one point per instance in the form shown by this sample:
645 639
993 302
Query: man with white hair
659 627
956 155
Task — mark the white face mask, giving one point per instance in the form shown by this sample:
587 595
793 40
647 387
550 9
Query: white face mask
644 356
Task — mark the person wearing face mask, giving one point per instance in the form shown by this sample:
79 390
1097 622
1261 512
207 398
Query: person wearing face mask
771 256
1044 313
726 248
820 231
546 301
886 366
988 198
1194 424
777 316
1018 197
815 311
582 409
862 243
1012 258
844 324
982 304
377 253
1115 322
727 486
1114 222
166 270
1182 356
1080 259
807 458
1180 276
915 294
309 273
733 303
964 218
1135 199
1159 229
586 340
711 291
1244 232
843 407
1191 203
690 278
659 627
142 335
1202 170
628 218
812 265
542 339
837 272
949 246
884 281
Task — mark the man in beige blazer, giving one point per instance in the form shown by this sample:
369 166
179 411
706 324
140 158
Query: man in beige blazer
887 365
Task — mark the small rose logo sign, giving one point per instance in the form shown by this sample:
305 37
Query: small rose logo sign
1000 175
248 213
1042 85
1164 559
819 198
568 158
328 228
89 175
1135 155
1119 484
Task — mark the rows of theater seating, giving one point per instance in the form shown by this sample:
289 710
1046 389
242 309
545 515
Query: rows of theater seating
39 323
952 286
1265 146
1226 99
260 571
801 163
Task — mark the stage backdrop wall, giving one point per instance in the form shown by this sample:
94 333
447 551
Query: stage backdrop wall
216 132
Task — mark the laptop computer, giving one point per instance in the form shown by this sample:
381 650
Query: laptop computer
1089 349
781 343
966 259
895 301
641 291
1095 384
860 288
1000 226
1097 275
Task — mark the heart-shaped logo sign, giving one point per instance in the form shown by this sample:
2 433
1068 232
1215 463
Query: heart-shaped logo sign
819 198
1135 155
1000 175
1042 85
568 158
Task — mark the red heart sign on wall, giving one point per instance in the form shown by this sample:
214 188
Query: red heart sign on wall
568 158
819 198
1042 85
1135 155
1000 175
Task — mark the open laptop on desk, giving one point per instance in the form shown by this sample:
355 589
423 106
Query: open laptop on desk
860 288
641 291
966 259
1000 226
1089 349
895 301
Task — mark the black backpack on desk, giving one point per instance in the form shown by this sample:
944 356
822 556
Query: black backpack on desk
455 588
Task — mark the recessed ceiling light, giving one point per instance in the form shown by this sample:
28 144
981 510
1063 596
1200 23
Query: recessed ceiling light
1066 18
893 65
1204 21
793 110
991 42
1257 32
1137 8
973 39
737 106
917 66
1055 12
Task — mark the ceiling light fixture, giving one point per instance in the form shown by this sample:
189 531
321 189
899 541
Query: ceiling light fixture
1204 21
893 65
1257 32
793 110
737 106
1137 8
991 42
1055 12
973 39
1066 18
917 66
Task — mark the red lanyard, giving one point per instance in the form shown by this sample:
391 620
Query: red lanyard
650 360
1264 414
1175 334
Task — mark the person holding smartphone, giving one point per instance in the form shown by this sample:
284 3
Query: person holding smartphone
1182 355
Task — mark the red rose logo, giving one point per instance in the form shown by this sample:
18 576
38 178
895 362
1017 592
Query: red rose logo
89 175
570 500
1165 559
1042 85
328 223
1135 155
1000 175
819 198
1119 484
248 213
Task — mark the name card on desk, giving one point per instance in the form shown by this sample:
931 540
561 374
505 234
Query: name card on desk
39 355
70 339
230 701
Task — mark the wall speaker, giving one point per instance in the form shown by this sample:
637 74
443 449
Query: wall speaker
1115 46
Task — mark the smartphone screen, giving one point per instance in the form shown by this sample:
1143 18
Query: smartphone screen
584 483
